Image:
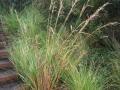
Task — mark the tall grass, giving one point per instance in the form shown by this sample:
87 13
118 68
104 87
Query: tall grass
114 77
11 22
30 16
82 79
43 66
45 59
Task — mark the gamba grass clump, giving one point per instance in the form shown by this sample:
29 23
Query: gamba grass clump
50 57
43 66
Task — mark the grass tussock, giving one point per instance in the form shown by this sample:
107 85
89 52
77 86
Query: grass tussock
49 53
43 66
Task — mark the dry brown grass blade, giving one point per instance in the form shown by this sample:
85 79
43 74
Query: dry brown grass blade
73 5
59 11
102 27
94 15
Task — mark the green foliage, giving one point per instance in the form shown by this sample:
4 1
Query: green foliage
11 21
115 80
31 21
30 16
53 60
46 54
82 79
39 58
38 61
24 60
114 69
